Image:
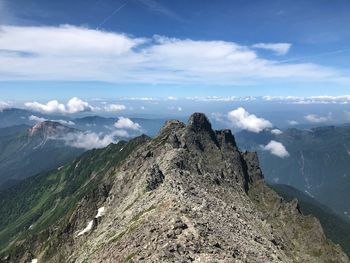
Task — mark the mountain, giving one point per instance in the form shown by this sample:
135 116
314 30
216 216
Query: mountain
28 151
188 195
319 162
13 117
336 228
94 123
98 124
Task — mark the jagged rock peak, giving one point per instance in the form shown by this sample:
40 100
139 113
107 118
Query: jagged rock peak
198 121
173 124
226 137
198 131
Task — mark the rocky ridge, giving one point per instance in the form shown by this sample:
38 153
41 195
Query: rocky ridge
188 195
48 129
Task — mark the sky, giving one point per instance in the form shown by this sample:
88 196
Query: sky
133 48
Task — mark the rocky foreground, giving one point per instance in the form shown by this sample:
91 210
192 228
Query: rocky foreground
188 195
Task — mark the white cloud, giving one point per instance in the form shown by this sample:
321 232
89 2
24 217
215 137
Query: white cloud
242 119
41 119
317 119
278 48
74 105
222 98
78 53
121 133
140 98
114 107
276 148
344 99
292 122
36 118
4 105
217 116
64 122
90 140
126 123
65 41
276 132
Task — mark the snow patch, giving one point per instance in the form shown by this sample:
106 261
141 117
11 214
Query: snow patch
100 212
86 229
34 260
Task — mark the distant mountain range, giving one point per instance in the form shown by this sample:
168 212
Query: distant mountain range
32 142
187 195
14 117
318 162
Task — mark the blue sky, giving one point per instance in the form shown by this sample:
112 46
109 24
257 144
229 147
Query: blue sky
103 48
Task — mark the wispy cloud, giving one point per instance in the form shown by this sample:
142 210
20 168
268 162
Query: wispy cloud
292 122
41 119
318 119
157 7
78 53
90 140
343 99
114 107
105 20
36 118
278 48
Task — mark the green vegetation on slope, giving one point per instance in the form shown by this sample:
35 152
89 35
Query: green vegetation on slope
23 155
47 199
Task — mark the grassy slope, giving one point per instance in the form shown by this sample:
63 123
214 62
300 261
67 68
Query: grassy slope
49 198
20 157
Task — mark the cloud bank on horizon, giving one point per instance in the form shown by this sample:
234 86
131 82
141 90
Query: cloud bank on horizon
80 53
74 105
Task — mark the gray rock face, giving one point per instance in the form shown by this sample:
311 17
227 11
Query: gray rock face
49 129
189 195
